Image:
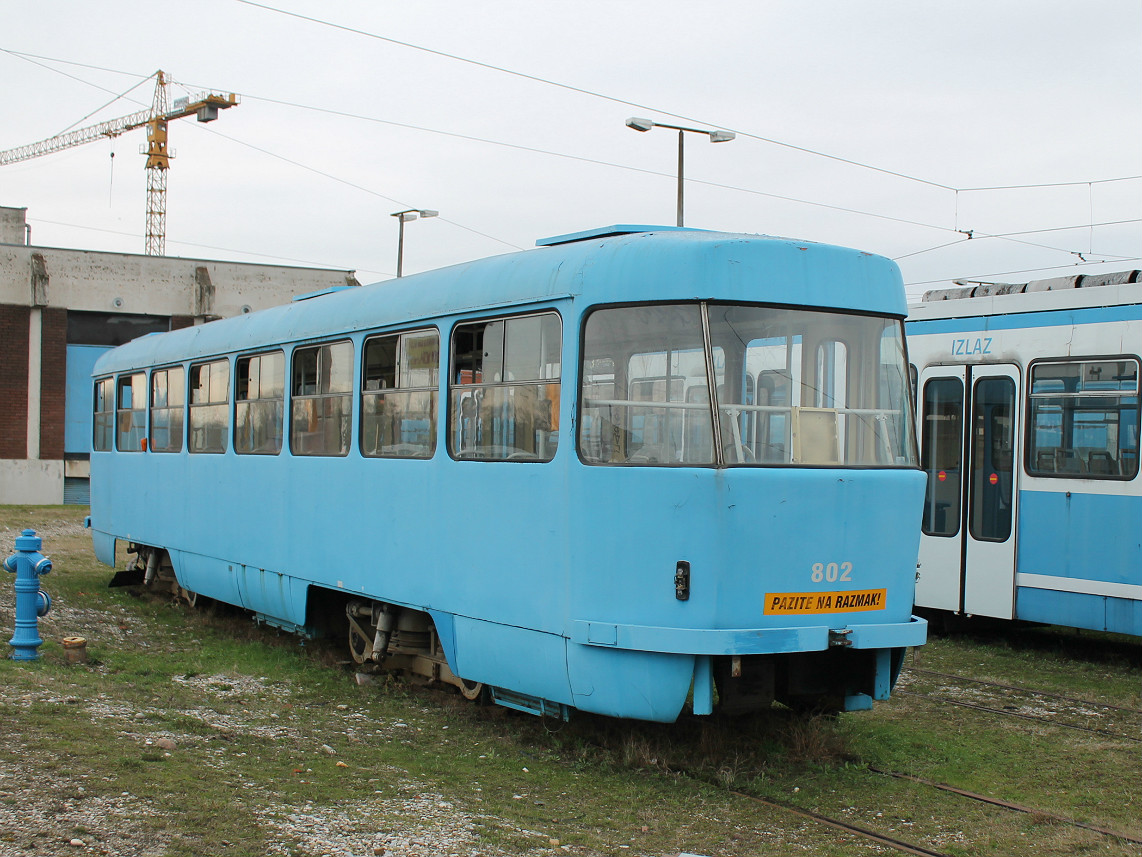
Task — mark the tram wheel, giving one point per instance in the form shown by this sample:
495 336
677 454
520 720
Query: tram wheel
473 690
359 644
193 599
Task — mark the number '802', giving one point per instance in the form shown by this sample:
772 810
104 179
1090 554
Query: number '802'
832 572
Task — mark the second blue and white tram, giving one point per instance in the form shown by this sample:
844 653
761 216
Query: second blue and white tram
1028 402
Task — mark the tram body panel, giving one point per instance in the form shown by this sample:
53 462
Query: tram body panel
1079 562
744 550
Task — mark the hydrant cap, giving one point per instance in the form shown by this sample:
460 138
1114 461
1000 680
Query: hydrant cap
28 541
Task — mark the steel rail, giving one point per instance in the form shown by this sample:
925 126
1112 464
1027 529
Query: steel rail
880 838
1045 693
1105 831
1031 717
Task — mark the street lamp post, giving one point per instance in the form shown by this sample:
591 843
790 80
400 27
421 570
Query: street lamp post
715 137
404 217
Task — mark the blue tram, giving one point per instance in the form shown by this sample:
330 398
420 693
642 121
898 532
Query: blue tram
630 470
1029 426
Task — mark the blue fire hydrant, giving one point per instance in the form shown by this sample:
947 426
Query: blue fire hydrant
31 601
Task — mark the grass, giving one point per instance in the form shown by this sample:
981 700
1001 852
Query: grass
199 732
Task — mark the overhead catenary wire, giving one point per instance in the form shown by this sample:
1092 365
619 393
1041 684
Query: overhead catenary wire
985 235
569 87
348 183
537 150
1050 184
548 152
582 91
720 185
103 106
241 142
518 147
795 200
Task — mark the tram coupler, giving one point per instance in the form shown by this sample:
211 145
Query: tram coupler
839 637
28 564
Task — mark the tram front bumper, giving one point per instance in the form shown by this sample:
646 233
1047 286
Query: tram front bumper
747 641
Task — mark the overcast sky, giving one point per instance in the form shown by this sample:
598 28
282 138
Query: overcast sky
883 126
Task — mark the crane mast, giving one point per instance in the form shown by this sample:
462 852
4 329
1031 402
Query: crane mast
203 105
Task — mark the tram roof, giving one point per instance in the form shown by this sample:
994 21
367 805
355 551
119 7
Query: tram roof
614 264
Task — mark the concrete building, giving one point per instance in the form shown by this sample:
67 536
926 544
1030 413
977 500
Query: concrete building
60 309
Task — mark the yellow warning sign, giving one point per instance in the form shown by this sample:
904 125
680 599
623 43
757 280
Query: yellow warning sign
808 603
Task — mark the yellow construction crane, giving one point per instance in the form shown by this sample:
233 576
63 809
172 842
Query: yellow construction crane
203 105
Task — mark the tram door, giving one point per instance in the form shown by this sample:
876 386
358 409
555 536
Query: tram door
969 439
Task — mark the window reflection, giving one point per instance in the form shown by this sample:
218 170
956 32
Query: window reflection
504 390
789 387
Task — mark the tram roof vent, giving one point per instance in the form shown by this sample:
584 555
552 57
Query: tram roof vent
607 232
320 292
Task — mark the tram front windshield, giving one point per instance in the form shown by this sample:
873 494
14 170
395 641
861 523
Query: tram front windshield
715 384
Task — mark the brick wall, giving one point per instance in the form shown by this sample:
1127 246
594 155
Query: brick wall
53 382
14 381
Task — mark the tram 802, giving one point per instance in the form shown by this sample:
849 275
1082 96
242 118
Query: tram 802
1029 424
629 471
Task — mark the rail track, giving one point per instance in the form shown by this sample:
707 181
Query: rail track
862 832
915 848
1015 807
1118 722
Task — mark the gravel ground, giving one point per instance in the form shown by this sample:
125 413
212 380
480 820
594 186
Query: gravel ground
42 810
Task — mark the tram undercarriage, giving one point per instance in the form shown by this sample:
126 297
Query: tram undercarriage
399 639
385 637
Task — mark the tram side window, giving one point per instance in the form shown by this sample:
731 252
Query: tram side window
321 399
209 416
504 389
259 404
400 377
131 412
168 399
1084 419
104 415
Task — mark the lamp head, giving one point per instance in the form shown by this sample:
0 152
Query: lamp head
722 136
640 124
